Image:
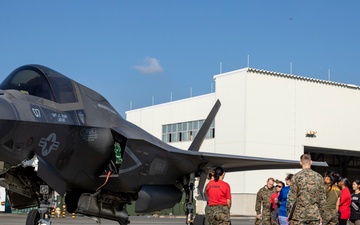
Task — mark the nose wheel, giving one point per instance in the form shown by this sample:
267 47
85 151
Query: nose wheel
42 215
39 216
33 217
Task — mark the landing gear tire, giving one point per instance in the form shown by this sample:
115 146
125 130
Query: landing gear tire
199 220
33 217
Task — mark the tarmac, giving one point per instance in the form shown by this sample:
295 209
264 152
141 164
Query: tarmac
20 219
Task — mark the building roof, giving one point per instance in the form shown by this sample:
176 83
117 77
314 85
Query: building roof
292 76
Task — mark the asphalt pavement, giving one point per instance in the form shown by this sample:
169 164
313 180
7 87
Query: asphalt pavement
20 219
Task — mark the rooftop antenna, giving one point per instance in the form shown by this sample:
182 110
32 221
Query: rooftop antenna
171 96
329 74
220 67
248 59
290 67
152 100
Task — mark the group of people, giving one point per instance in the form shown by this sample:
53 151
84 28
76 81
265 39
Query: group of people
305 198
309 198
270 204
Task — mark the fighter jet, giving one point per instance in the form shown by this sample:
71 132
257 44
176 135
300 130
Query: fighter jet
57 135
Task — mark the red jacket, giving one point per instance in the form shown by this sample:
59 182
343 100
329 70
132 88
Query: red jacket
345 201
218 192
272 199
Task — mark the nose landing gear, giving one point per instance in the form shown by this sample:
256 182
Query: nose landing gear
42 215
39 216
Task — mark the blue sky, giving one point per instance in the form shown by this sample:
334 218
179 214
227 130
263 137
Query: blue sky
139 52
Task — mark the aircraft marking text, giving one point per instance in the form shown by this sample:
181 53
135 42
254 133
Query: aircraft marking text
89 134
36 112
61 118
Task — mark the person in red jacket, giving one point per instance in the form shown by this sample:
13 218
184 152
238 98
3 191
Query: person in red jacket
274 203
344 201
219 199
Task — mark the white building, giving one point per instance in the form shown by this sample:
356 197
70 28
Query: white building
2 199
267 114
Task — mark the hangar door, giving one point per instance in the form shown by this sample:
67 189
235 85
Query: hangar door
346 163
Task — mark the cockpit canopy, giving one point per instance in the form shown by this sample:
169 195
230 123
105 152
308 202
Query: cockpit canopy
42 82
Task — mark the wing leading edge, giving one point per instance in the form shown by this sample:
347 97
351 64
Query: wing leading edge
233 163
237 163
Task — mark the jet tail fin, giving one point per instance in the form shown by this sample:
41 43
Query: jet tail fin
198 140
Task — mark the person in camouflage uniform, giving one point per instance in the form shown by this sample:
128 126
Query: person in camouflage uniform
263 201
220 215
332 193
219 199
306 199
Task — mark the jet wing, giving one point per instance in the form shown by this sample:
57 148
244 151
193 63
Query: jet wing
233 163
236 163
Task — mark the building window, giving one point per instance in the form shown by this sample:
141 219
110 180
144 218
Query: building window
185 131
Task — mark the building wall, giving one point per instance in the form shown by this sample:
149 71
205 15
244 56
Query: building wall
265 114
152 118
2 199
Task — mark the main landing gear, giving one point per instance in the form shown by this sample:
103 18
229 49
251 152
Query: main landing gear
189 187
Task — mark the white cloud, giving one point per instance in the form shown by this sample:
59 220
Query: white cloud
149 65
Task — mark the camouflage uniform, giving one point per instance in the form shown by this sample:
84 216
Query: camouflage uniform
218 215
263 198
307 190
331 215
